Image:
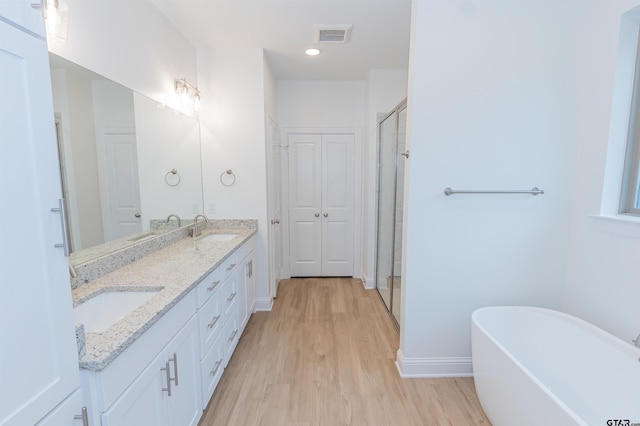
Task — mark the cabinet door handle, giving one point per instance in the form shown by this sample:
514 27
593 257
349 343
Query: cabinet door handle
326 214
84 417
214 320
62 209
233 335
175 368
317 215
166 369
230 267
231 296
216 367
213 285
250 268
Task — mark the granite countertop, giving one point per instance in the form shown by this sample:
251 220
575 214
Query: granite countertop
175 270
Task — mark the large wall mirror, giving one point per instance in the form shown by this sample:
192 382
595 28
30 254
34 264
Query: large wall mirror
125 159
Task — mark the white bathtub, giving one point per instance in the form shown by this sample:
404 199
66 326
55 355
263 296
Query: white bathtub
535 366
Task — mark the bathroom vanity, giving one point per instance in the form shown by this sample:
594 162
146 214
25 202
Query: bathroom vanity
161 360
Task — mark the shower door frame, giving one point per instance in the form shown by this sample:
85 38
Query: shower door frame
395 112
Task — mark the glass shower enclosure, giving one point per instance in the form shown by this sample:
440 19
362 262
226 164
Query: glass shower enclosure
392 155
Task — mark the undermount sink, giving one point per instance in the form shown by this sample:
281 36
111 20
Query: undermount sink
102 311
219 237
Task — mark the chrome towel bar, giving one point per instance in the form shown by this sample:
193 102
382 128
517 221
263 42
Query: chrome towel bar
532 191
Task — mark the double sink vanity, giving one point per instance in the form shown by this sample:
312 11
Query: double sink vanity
156 331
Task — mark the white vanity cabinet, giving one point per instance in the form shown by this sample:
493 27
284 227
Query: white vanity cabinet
246 282
156 380
38 350
25 13
222 300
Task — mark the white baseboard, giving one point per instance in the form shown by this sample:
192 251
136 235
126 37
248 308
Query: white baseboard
263 304
368 282
433 367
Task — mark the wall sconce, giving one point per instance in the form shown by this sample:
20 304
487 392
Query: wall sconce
182 87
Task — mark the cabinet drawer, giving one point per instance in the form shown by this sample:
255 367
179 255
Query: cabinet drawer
228 266
230 293
210 322
208 286
212 369
230 335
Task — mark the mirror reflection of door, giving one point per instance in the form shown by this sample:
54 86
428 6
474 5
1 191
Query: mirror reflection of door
121 209
64 180
392 155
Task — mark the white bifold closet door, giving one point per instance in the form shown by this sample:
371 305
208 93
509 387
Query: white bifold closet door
321 204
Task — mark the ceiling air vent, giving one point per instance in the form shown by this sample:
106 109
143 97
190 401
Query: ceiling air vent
331 33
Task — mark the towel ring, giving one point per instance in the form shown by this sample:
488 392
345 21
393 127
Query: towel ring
229 181
168 179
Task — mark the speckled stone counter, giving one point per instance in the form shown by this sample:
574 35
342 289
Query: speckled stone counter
174 270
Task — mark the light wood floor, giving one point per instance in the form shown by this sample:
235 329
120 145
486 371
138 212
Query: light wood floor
325 356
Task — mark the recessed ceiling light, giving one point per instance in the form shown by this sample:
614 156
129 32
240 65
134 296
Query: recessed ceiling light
312 52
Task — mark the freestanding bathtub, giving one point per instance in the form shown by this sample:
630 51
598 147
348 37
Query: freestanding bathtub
535 366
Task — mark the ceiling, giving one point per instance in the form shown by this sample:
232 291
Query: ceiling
284 28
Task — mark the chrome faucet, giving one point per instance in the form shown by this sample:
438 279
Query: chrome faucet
196 230
636 341
177 217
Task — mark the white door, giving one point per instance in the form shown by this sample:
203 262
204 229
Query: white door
38 352
321 204
275 207
122 202
305 204
337 205
143 403
183 354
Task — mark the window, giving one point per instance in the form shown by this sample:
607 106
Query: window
630 195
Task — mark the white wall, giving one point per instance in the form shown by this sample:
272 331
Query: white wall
497 100
330 103
232 120
167 140
603 278
129 42
385 90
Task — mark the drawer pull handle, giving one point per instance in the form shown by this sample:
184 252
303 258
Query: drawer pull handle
233 336
214 321
231 296
230 267
84 417
216 367
175 367
213 285
168 388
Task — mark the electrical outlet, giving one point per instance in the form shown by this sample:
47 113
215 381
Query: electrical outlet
212 208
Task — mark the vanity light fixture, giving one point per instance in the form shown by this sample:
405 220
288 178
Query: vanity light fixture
182 87
56 18
312 51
